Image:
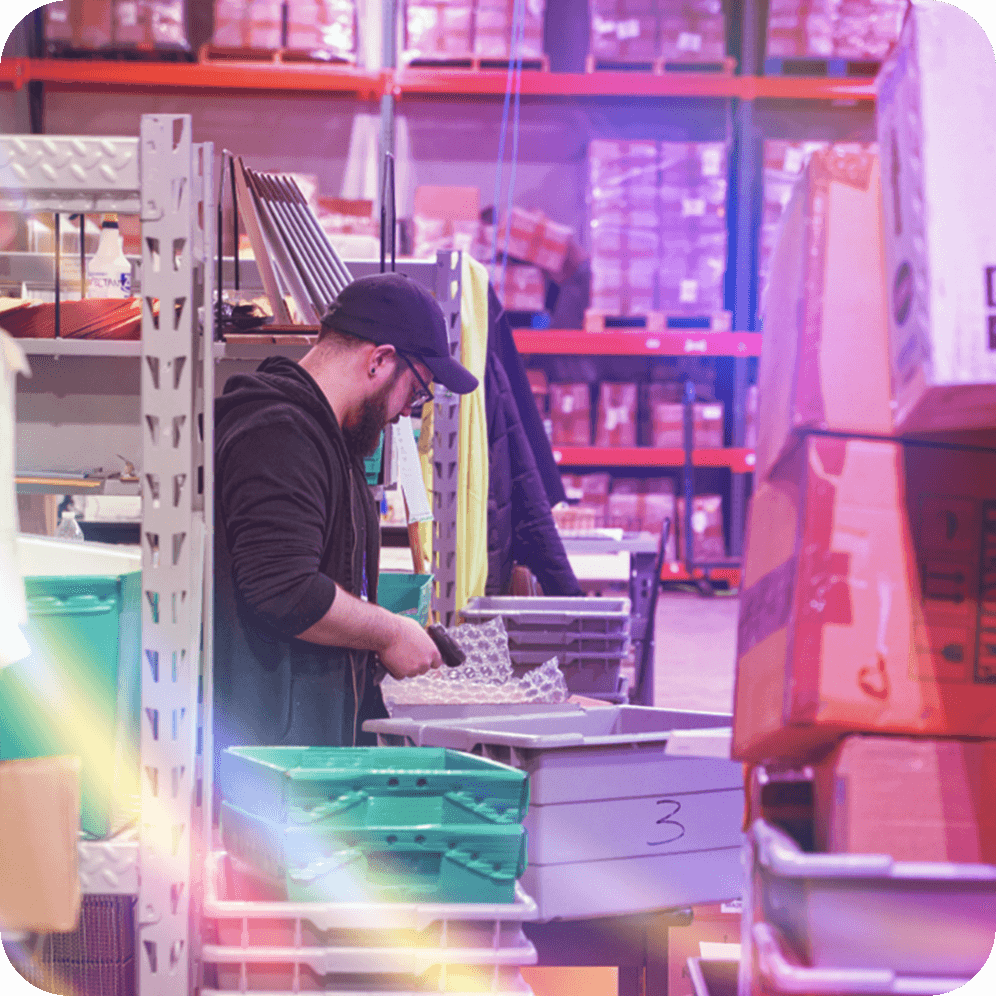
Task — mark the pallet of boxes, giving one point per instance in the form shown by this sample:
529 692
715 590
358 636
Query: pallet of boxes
367 869
865 701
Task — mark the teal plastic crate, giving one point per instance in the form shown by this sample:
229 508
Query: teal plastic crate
372 786
406 594
451 864
371 464
79 690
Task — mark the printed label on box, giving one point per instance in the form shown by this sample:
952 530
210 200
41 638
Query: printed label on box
956 554
711 161
688 292
693 207
793 160
687 42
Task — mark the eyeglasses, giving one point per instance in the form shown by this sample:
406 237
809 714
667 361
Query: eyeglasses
422 397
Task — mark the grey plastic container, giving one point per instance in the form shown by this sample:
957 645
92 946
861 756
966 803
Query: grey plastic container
632 808
588 636
530 619
863 923
467 710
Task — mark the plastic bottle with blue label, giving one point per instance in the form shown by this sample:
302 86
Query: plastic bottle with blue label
109 272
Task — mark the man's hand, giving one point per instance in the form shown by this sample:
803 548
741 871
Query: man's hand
404 648
410 652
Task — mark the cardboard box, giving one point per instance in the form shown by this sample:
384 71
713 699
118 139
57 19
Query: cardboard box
658 508
617 408
624 511
93 23
540 388
437 29
58 23
708 538
521 289
534 238
937 139
624 37
39 825
913 799
577 517
867 598
824 361
668 423
570 414
715 923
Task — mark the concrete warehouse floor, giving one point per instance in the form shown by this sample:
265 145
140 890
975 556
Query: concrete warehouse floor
695 651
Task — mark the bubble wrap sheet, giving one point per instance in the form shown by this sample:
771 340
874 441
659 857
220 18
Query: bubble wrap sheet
486 675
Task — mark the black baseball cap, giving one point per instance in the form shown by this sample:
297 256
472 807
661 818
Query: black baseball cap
392 310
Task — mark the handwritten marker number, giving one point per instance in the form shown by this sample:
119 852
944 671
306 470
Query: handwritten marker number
675 829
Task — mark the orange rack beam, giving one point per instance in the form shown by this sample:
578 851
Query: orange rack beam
740 461
690 342
99 74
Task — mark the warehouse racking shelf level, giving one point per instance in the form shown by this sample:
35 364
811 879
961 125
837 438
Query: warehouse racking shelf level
81 347
373 84
638 343
552 342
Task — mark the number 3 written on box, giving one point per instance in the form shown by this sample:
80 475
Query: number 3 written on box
675 830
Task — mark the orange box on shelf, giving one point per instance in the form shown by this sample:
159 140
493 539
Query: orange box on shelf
825 356
520 288
660 507
867 598
708 540
570 414
668 422
914 799
534 238
616 415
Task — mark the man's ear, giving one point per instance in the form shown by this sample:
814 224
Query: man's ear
381 357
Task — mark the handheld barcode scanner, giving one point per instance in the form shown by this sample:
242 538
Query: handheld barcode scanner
452 655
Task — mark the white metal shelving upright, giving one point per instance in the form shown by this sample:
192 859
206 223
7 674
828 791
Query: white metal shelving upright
166 178
167 421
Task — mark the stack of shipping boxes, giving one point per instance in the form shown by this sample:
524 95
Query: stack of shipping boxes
867 629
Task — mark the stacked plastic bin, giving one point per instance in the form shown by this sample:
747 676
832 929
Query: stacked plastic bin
367 869
588 636
632 808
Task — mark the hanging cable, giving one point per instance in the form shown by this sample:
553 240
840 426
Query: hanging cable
513 83
518 36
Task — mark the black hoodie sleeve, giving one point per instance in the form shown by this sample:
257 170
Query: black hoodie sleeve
276 492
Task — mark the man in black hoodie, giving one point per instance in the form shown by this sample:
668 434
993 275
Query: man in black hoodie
297 535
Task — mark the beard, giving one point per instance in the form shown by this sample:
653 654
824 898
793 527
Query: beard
363 435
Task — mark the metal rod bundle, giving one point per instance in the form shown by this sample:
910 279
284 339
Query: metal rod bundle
315 266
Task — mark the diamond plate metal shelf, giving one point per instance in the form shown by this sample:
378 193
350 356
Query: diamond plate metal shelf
75 173
110 867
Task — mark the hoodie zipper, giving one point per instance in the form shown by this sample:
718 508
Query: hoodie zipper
353 664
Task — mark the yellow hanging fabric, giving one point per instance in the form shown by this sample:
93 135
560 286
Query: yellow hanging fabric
472 498
472 490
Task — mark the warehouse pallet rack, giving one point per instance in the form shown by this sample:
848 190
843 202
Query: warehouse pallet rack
111 412
762 105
